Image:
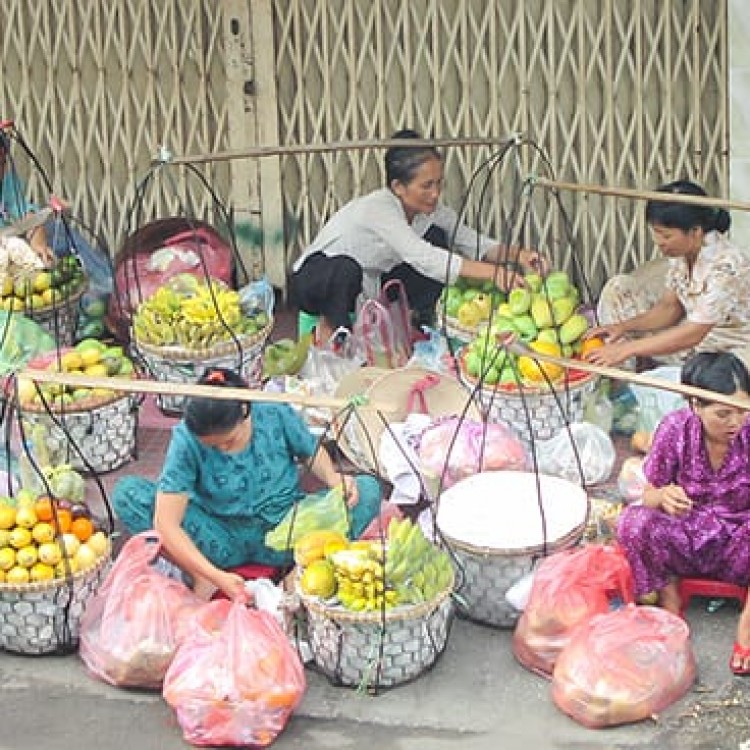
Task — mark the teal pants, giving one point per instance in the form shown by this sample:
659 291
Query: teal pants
228 542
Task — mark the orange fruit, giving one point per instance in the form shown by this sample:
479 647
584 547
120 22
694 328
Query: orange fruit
64 520
82 528
43 509
588 345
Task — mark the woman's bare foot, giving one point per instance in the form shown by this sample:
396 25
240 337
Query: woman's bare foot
740 662
669 598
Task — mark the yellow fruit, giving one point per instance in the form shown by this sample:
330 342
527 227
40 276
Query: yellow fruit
4 538
43 532
97 370
66 567
17 575
99 543
2 576
7 558
50 553
27 556
85 557
319 579
26 390
89 356
7 289
70 544
535 371
71 361
26 517
41 572
7 517
49 297
20 537
42 281
311 546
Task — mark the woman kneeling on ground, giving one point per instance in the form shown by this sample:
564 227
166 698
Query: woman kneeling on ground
694 520
230 475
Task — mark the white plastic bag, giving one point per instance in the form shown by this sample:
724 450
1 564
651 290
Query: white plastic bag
589 457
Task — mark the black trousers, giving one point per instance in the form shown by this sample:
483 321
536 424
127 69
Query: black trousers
330 286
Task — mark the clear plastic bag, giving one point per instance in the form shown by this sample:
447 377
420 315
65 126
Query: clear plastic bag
322 510
131 627
590 452
327 363
624 666
568 589
235 679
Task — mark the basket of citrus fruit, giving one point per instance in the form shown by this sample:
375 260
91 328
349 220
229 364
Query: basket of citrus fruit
53 556
100 421
49 296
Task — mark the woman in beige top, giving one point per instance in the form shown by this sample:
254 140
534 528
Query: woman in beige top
704 303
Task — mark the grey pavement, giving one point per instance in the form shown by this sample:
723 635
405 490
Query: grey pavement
477 697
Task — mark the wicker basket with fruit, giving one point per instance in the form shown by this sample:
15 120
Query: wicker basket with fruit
376 616
50 297
188 325
100 421
53 557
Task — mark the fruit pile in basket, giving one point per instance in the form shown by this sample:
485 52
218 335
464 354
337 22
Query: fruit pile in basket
469 303
365 576
44 288
545 316
89 357
43 539
194 314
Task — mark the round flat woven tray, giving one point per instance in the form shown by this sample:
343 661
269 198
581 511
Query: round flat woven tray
222 349
55 583
62 302
453 329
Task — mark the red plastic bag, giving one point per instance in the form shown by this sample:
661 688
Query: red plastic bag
132 625
236 679
568 589
624 666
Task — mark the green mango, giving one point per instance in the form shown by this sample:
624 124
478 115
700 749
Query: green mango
541 312
562 309
556 285
519 301
573 328
526 327
505 325
503 310
549 335
533 281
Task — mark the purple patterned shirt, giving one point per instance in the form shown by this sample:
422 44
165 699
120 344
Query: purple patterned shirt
679 456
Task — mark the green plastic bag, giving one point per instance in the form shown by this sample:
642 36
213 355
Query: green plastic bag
321 511
21 339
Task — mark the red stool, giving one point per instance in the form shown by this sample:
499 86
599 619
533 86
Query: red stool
690 587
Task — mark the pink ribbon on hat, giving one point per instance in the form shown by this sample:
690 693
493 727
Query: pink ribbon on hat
417 393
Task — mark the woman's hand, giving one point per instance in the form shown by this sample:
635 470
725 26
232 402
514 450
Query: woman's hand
674 501
610 355
611 333
233 586
533 260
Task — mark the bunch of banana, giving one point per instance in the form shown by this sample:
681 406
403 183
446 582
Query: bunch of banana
360 585
197 318
416 569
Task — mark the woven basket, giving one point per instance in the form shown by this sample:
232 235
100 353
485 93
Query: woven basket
103 430
536 413
454 330
45 618
61 319
176 364
486 575
372 650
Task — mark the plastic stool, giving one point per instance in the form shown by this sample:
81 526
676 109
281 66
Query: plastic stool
690 587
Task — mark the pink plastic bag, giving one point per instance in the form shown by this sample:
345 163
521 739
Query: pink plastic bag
624 666
235 679
132 625
455 448
383 329
568 589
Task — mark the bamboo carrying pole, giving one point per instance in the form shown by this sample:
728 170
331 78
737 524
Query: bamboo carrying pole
317 148
226 393
616 373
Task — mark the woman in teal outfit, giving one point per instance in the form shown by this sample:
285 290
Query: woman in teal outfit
229 476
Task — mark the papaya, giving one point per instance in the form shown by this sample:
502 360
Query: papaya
312 546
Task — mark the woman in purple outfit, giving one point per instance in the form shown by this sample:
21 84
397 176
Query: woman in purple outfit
694 520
